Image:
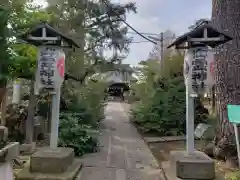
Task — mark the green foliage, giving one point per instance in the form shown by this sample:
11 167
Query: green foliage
233 175
93 94
81 137
161 109
15 122
88 102
93 25
24 56
4 50
162 112
24 62
18 60
78 123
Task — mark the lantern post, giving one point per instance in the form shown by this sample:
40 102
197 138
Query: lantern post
50 69
52 162
197 69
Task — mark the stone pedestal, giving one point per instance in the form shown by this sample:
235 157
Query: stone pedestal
49 164
8 153
51 161
28 149
3 133
195 166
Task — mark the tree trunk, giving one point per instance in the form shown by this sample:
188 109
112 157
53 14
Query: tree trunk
31 114
3 89
226 17
3 52
3 109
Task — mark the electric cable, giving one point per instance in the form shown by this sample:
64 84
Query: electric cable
128 25
137 42
154 34
68 76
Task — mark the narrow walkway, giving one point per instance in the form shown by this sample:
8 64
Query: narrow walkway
123 155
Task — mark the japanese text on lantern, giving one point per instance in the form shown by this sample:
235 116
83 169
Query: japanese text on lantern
46 68
199 68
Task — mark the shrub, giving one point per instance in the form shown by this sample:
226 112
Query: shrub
93 95
80 118
15 122
81 137
233 175
161 109
87 103
163 113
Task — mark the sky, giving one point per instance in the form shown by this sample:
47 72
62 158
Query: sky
156 16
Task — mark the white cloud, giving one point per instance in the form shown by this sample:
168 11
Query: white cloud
155 16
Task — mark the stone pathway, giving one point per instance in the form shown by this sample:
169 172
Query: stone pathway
123 155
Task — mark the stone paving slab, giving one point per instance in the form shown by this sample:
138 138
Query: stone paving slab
70 174
123 155
164 139
91 173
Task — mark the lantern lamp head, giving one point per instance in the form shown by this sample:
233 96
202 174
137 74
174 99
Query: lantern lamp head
203 35
44 34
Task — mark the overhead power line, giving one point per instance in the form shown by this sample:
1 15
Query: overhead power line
118 15
139 42
155 34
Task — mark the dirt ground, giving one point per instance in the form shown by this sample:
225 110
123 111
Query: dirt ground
161 151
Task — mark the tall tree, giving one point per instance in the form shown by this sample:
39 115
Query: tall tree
226 17
4 55
20 59
94 24
15 16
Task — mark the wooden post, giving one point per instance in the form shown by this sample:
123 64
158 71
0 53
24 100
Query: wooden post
3 109
237 142
31 115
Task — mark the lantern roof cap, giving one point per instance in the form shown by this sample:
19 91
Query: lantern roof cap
45 34
203 35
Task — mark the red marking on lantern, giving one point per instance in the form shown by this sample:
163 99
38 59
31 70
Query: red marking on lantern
60 67
212 68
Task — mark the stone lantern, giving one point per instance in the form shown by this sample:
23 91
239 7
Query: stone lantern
51 162
192 164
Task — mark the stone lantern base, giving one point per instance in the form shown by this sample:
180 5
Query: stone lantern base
184 166
48 164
